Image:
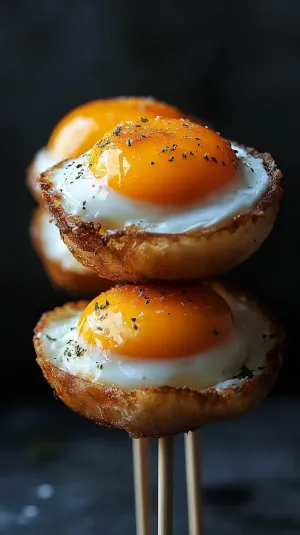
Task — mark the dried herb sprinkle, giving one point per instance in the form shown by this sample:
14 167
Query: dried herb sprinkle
117 130
50 338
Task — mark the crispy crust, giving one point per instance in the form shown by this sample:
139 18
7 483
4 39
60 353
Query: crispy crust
138 255
154 412
84 282
33 184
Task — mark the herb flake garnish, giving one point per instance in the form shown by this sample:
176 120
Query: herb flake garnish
50 338
117 130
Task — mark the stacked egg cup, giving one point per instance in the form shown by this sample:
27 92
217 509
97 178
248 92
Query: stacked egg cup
160 206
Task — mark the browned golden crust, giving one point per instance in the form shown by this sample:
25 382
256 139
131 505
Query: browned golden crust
138 255
84 282
154 412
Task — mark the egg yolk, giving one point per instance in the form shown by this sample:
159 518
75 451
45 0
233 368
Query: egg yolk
79 130
163 161
156 321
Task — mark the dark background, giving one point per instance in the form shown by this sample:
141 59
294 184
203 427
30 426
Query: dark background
233 63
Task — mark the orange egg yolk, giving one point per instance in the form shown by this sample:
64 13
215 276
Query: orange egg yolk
164 161
156 321
79 130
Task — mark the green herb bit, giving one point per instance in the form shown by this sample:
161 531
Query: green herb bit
50 338
117 130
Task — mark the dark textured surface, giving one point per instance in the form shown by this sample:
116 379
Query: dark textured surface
61 474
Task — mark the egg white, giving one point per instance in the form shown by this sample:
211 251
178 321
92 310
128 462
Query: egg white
85 196
249 343
43 159
54 247
51 241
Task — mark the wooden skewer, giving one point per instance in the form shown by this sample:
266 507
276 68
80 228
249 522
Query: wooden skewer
193 481
140 449
165 486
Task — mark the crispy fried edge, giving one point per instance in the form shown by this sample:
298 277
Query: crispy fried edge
159 411
33 184
85 282
138 255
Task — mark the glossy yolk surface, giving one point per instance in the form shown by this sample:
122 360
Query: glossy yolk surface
79 130
163 161
156 321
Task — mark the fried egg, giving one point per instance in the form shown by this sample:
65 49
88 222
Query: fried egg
53 246
163 335
166 176
163 199
62 268
78 131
